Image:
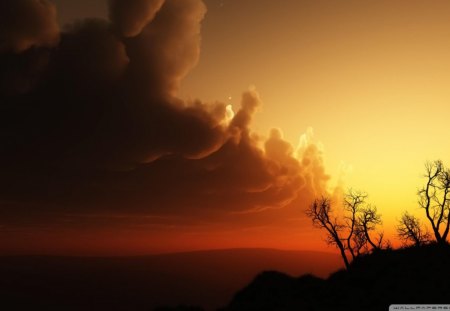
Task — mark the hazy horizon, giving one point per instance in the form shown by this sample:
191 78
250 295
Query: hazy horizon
162 126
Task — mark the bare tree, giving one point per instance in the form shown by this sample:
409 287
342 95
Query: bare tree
434 198
359 241
410 230
369 219
322 216
350 233
353 202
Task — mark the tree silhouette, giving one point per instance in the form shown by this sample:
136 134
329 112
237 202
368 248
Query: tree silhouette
434 199
350 233
368 220
410 230
359 241
353 201
321 214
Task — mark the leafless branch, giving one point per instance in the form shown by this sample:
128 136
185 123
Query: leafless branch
410 230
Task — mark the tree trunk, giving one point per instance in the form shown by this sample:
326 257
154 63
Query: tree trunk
366 233
442 241
343 254
438 236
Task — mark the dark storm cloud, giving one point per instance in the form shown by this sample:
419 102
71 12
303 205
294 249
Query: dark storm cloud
130 17
94 122
27 23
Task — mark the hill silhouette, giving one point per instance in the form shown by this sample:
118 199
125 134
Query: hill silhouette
418 275
204 278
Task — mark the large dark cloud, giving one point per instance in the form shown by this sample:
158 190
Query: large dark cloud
130 17
27 23
93 124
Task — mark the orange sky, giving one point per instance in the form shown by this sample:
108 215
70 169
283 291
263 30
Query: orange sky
370 77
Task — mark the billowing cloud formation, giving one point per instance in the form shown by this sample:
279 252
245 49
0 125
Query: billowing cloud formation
27 23
130 17
94 124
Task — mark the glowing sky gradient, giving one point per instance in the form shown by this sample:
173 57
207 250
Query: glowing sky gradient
370 77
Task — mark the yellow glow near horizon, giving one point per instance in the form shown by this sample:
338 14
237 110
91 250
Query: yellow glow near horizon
371 78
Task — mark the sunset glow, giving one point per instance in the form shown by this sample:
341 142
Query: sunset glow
187 125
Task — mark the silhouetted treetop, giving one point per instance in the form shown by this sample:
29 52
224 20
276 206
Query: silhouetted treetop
434 199
351 233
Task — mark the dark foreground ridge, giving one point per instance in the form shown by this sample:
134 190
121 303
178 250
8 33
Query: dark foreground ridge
373 282
204 278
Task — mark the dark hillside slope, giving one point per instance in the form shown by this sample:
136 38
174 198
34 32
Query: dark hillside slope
205 278
373 282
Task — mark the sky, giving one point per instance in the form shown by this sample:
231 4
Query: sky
172 125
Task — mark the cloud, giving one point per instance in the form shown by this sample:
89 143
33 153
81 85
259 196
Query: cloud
27 23
93 124
130 17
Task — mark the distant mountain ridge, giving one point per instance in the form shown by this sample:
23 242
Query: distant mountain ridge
207 278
